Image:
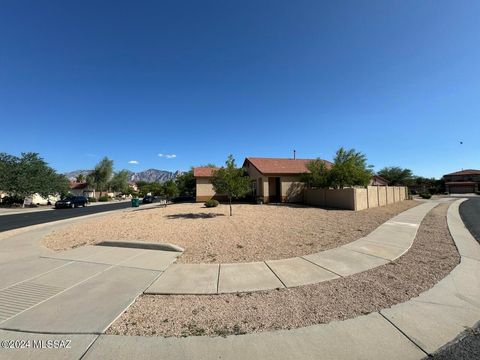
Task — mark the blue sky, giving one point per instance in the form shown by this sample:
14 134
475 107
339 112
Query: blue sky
397 80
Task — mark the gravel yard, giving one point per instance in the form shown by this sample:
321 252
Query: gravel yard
432 256
253 233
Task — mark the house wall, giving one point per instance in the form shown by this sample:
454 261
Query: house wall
205 191
292 189
353 198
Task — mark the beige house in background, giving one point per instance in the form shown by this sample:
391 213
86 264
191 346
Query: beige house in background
272 179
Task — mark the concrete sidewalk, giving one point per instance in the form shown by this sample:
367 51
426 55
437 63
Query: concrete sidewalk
386 243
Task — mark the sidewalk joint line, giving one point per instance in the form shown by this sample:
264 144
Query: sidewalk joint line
320 266
218 277
89 347
285 286
403 333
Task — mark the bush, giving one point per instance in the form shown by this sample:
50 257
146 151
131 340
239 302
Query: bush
211 203
103 198
425 195
92 199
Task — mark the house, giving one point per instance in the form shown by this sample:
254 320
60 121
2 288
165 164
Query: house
377 180
81 189
462 182
272 179
277 179
204 188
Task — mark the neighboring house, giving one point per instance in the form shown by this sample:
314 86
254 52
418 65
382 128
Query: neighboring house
378 181
81 189
462 182
37 199
272 179
204 188
133 186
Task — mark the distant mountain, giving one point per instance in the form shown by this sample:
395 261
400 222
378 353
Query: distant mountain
150 175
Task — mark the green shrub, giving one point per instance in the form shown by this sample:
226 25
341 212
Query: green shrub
92 199
211 203
103 198
425 195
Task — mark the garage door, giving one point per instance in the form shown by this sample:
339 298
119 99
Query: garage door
462 189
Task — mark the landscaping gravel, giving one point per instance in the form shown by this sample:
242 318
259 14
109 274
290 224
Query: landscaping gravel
432 256
253 233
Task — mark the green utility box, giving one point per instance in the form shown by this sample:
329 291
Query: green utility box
135 202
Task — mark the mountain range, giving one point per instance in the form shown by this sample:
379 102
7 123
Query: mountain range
150 175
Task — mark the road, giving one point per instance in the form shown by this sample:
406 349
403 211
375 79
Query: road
469 347
10 222
470 213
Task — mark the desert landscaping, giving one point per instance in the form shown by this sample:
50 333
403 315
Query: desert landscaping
432 256
253 233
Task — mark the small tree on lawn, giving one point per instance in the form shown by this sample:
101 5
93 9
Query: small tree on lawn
231 181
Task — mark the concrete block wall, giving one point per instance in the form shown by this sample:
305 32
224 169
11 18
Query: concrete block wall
355 198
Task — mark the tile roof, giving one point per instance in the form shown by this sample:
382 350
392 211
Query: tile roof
465 172
281 166
204 171
75 185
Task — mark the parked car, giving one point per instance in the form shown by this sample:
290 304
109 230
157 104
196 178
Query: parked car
148 199
71 202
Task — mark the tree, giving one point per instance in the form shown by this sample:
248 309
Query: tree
231 181
29 174
186 184
396 175
318 175
80 178
99 178
350 169
119 181
170 189
155 188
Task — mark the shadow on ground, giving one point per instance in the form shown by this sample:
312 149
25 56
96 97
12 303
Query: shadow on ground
193 216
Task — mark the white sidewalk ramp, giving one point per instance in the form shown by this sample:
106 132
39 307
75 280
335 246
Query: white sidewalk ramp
88 307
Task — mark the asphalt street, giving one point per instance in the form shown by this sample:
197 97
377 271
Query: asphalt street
468 347
15 221
470 213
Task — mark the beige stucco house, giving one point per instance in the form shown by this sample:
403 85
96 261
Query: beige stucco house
272 179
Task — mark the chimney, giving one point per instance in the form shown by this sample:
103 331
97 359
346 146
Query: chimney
294 154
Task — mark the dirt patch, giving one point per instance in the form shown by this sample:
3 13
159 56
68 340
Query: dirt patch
432 256
253 233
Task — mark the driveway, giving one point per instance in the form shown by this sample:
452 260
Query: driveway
10 222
